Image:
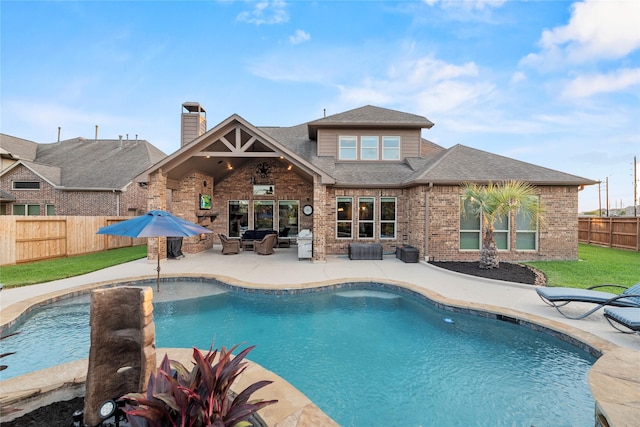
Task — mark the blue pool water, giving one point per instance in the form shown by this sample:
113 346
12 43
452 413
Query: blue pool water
366 357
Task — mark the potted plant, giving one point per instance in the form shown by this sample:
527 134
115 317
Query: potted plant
198 397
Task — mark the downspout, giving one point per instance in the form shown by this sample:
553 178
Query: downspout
426 222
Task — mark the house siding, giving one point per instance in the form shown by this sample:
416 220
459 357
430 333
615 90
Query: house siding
409 140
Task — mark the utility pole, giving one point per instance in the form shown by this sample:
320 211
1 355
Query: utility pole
606 183
635 187
599 199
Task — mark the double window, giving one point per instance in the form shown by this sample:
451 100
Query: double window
26 209
368 147
367 219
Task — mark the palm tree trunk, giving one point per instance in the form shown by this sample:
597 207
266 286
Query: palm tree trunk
489 251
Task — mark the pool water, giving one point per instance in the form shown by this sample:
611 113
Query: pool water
366 357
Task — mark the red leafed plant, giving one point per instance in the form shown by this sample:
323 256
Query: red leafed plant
198 397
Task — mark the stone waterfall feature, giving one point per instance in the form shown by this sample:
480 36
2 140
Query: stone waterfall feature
123 346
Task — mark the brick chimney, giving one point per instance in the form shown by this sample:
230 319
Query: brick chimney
194 122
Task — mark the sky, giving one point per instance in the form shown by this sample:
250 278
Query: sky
553 83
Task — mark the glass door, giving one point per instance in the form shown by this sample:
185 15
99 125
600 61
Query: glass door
263 215
288 211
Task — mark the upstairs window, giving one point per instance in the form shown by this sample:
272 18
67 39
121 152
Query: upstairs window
369 148
390 148
26 185
348 148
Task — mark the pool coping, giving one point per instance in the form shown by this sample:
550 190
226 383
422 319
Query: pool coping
609 374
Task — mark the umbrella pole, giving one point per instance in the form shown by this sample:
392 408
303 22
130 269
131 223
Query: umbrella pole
158 269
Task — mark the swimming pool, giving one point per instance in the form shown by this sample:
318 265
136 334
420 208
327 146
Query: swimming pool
366 354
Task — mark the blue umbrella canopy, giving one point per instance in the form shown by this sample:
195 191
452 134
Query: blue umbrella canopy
154 223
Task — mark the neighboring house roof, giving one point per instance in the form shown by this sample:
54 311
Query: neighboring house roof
81 164
17 148
6 197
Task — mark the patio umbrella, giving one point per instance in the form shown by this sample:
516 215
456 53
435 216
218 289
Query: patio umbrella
154 223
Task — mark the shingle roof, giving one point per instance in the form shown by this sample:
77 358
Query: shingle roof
460 163
370 116
17 148
93 164
454 165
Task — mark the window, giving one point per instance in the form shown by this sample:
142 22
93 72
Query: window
501 233
288 212
26 209
390 148
263 214
344 223
470 225
387 217
238 217
26 185
365 217
50 210
369 148
526 232
471 230
348 148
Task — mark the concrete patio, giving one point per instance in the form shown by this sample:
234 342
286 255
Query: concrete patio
283 270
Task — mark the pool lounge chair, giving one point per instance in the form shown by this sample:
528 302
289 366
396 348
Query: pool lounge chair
559 297
626 316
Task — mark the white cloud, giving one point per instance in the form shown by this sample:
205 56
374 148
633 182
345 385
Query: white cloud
467 4
300 36
518 77
585 86
431 84
266 12
597 30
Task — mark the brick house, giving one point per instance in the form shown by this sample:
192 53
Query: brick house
365 176
74 177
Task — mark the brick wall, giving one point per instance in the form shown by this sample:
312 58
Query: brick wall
79 203
558 233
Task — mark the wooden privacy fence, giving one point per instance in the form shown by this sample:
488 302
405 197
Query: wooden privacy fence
33 238
614 232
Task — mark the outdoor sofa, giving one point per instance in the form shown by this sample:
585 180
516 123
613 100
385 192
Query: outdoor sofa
251 236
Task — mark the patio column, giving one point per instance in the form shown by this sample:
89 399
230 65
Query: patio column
157 200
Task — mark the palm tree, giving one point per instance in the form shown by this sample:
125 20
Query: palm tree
493 201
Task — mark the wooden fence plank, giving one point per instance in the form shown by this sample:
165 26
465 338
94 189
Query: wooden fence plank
614 232
34 238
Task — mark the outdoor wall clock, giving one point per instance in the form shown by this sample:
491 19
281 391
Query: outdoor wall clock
263 170
307 210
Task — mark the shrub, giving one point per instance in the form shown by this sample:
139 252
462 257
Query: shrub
200 397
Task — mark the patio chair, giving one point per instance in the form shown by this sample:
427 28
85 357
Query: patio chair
265 246
626 316
229 246
560 297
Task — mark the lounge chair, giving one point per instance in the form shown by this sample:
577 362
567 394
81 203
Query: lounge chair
265 246
559 297
625 316
229 246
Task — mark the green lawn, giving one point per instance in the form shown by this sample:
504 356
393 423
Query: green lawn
45 271
596 266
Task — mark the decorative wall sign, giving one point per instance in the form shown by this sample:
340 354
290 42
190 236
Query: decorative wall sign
307 210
